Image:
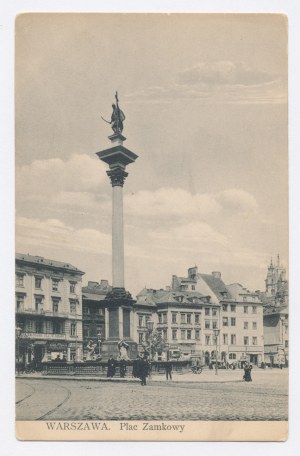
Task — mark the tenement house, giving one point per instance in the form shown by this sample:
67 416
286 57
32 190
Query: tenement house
237 315
48 309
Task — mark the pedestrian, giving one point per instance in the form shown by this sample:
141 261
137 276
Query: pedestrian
168 367
122 368
247 372
111 367
144 370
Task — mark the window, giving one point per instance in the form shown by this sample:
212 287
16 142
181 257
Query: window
20 280
197 319
20 303
197 334
189 318
72 306
225 321
174 334
225 307
254 309
159 318
245 309
141 320
37 282
193 287
165 318
254 340
55 284
182 334
232 355
189 334
54 306
48 326
39 304
233 321
246 324
165 334
140 338
39 327
225 339
207 340
86 310
246 340
72 287
254 325
207 324
99 311
182 318
215 324
286 343
207 311
233 307
174 318
214 312
73 329
86 330
233 339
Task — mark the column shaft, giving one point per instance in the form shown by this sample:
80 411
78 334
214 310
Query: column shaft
117 238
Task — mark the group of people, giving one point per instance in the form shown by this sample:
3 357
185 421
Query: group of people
141 369
111 367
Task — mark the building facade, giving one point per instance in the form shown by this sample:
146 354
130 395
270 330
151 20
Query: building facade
48 309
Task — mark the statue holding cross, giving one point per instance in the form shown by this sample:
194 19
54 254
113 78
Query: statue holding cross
117 117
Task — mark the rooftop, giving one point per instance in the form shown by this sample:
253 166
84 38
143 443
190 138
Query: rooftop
35 259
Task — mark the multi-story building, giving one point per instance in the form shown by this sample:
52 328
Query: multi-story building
48 309
238 316
93 313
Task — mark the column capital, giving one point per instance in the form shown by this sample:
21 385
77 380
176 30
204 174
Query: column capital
117 177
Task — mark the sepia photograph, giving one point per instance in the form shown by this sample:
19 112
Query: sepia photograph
151 227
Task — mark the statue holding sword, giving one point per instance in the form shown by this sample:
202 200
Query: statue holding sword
117 117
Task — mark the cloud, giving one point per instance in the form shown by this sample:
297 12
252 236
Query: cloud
225 72
171 202
221 81
36 234
76 173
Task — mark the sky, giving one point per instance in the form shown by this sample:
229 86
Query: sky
205 100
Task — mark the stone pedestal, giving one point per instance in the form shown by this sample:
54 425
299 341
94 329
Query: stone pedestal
118 302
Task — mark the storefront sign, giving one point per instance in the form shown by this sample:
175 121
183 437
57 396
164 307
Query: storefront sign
57 346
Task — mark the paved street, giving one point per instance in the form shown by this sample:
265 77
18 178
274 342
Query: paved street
188 397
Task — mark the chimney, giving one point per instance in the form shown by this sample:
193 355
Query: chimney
216 274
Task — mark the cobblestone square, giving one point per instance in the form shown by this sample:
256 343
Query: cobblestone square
187 397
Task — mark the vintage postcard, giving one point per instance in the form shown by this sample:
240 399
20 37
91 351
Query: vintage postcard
151 259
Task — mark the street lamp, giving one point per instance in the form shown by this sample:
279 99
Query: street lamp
216 333
18 334
150 325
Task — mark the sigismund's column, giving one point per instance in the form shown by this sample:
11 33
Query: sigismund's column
118 302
